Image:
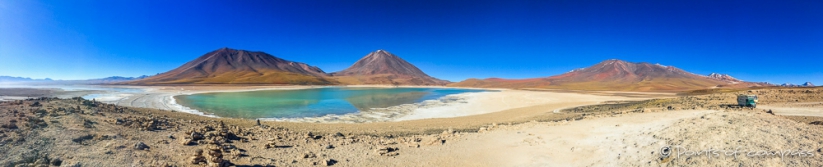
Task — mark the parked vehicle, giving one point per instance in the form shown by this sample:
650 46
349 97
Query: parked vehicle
747 100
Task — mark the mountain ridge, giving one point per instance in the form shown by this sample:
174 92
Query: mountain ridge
723 77
806 84
615 74
231 66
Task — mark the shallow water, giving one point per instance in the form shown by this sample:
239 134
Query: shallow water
308 102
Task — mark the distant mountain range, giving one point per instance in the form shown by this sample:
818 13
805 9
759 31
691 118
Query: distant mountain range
20 79
113 79
807 84
617 75
46 81
231 66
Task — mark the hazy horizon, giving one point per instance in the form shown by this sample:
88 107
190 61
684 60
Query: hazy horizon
776 42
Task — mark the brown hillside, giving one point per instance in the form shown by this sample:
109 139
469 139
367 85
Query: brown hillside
230 66
614 75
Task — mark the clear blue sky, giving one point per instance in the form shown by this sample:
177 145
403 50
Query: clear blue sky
777 41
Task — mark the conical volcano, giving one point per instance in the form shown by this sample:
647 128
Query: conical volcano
382 67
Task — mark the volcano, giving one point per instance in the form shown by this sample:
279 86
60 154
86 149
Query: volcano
382 67
231 66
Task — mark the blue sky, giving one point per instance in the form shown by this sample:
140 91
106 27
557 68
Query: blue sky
774 41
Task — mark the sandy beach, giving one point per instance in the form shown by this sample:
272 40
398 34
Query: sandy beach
489 102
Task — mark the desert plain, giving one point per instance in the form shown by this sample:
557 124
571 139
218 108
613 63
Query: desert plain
507 127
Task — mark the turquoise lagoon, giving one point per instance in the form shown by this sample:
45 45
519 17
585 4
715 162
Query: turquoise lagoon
313 102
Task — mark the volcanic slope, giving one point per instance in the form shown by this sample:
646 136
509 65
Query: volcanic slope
231 66
382 67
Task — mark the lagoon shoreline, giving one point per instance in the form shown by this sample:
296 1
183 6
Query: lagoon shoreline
450 106
458 105
164 98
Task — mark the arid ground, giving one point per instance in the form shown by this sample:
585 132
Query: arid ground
562 129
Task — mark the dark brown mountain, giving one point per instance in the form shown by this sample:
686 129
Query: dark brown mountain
382 67
614 75
230 66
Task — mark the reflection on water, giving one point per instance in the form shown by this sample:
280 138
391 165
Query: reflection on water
307 102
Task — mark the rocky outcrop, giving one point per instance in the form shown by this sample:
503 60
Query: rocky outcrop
141 146
215 156
387 151
197 157
271 144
